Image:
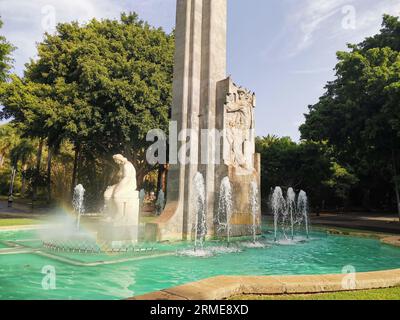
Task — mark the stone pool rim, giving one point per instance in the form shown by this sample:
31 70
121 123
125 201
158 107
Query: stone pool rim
225 287
23 227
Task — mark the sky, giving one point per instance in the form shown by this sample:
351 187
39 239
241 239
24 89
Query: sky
284 50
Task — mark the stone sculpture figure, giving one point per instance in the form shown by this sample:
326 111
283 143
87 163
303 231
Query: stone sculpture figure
127 184
239 127
122 199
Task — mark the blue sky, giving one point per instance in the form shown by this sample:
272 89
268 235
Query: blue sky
284 50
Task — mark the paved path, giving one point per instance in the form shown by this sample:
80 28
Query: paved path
363 221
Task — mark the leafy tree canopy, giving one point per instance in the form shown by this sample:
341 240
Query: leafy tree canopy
5 56
359 114
305 165
102 86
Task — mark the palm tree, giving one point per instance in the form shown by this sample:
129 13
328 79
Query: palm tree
23 152
9 138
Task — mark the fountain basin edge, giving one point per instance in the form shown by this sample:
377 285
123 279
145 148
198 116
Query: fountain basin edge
225 287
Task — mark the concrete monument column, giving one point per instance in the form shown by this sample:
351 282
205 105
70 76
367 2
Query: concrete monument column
200 62
198 103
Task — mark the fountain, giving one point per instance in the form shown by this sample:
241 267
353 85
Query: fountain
278 205
77 203
117 232
225 208
291 209
199 206
254 208
288 213
203 99
302 209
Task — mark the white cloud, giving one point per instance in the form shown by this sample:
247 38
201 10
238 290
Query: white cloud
25 21
311 71
313 21
310 17
369 21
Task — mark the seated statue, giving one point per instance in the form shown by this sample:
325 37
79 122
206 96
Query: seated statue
122 199
126 187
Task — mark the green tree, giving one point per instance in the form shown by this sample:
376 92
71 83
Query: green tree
5 56
102 86
36 114
359 113
23 153
19 153
9 138
341 182
120 73
304 165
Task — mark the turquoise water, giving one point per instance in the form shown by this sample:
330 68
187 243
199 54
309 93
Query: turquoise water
21 277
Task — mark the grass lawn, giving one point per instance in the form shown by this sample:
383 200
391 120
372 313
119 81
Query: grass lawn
18 222
148 219
379 294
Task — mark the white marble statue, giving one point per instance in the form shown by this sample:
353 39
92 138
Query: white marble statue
127 184
122 199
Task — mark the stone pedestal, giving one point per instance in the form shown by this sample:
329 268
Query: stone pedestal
242 217
122 224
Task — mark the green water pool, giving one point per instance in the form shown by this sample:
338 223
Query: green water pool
82 276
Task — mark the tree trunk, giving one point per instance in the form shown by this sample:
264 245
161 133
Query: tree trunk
162 178
23 184
75 169
13 173
396 182
140 175
2 155
159 177
37 174
49 158
397 197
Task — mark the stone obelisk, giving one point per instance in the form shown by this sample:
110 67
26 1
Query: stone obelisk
200 62
200 96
